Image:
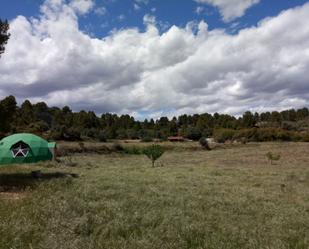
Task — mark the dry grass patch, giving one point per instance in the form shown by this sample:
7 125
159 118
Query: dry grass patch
225 198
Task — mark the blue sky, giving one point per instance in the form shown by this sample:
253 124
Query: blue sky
150 58
119 14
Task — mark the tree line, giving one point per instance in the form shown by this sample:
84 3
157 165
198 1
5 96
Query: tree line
64 124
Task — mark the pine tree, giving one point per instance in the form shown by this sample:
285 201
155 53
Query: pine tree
4 35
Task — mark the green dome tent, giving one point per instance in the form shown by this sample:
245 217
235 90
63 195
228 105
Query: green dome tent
25 148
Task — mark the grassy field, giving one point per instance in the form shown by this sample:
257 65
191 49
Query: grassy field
224 198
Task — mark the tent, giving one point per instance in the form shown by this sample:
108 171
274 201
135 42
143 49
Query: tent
25 148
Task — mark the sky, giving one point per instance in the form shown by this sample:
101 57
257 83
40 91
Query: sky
152 58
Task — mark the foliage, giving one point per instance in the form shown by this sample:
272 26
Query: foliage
154 152
133 150
147 139
38 127
72 134
8 109
102 136
55 135
64 124
272 157
223 135
117 147
193 133
4 35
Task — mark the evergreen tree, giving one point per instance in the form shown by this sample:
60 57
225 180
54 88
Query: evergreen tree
4 35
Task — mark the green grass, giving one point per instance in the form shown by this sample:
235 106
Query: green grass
225 198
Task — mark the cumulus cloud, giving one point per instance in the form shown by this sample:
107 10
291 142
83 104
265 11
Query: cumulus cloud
149 19
230 9
183 70
82 6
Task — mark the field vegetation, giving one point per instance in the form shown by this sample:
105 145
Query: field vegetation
229 197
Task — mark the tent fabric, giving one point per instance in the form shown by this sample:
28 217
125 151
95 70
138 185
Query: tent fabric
38 149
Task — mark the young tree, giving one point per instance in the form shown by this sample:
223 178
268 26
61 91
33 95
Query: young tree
272 157
4 35
154 152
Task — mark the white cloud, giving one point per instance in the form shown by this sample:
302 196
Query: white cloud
182 70
230 9
100 11
149 19
199 10
121 17
136 6
142 1
82 6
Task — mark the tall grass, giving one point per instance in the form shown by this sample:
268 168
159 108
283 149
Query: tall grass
228 198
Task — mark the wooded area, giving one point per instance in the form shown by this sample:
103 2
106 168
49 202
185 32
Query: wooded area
64 124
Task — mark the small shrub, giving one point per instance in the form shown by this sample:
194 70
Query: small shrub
193 133
243 140
132 150
272 157
153 152
204 143
69 162
223 135
147 139
102 137
72 134
82 146
55 135
117 147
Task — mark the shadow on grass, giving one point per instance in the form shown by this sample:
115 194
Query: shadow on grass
22 181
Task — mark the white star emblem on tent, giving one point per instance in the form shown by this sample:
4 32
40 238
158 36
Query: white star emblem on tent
20 152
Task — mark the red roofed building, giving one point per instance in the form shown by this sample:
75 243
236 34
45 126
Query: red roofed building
176 139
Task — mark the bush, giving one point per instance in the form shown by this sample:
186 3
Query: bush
102 136
304 137
245 135
72 134
132 150
117 147
223 135
39 126
204 143
55 135
273 157
82 146
153 152
147 139
193 133
266 135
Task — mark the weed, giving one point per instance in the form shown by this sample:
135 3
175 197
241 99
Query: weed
272 157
